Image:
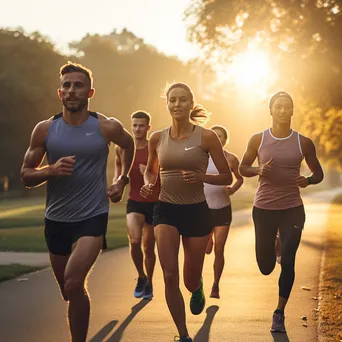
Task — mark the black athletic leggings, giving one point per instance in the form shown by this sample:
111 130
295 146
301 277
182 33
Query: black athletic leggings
290 223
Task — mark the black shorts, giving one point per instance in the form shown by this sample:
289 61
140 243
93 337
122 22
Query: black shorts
191 220
144 208
60 236
221 217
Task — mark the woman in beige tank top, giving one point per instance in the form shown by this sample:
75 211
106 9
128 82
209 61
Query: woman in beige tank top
181 152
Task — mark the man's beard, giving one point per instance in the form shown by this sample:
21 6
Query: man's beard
75 109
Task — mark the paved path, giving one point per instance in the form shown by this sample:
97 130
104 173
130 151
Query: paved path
33 310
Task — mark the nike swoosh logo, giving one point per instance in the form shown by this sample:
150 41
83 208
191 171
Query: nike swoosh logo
90 133
189 148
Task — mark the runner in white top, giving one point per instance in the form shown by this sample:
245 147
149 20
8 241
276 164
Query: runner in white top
218 199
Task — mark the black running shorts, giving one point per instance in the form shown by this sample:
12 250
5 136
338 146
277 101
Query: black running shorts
221 217
191 220
144 208
60 236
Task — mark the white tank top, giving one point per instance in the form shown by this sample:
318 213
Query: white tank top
214 194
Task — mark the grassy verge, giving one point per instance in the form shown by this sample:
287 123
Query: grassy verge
14 270
330 315
31 239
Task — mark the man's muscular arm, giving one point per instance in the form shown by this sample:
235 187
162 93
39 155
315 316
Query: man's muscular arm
32 174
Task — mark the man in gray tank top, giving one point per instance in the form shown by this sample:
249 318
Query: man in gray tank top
76 146
278 205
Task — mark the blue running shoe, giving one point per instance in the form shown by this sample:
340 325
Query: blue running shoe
148 293
140 288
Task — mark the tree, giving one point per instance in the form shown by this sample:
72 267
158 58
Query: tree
29 79
303 40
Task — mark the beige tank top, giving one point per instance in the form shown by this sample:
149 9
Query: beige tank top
279 190
175 156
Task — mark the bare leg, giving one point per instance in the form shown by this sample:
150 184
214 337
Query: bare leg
210 245
135 224
194 251
58 263
168 239
221 234
150 256
84 254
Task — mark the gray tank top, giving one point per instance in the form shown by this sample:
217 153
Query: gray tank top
83 194
175 156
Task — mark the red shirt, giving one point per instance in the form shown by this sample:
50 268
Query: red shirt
137 179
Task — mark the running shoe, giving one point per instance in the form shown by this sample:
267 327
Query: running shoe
140 288
148 293
197 301
278 322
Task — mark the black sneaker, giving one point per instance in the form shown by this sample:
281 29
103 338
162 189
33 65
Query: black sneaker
278 323
140 288
148 293
197 301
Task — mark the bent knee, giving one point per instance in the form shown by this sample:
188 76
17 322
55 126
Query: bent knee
72 286
135 242
266 269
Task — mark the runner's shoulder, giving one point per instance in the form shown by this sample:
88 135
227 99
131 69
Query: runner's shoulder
255 140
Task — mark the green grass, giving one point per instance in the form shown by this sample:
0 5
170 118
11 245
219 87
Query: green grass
14 270
31 239
331 288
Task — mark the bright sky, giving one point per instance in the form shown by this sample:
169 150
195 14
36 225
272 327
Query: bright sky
158 22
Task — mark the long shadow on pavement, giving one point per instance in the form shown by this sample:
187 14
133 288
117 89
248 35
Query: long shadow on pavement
101 335
204 332
116 337
280 337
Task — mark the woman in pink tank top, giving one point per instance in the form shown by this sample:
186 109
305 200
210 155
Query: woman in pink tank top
182 151
278 205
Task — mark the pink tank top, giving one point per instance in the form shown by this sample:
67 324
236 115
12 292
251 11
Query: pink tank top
279 190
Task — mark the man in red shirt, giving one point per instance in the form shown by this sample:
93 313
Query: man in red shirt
140 209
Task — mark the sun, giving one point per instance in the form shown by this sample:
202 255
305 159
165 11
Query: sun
248 69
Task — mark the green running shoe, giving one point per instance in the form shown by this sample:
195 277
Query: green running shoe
197 301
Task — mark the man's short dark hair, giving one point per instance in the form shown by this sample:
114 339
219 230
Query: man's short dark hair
140 114
74 67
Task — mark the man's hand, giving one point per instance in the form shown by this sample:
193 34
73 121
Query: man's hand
116 191
302 181
146 190
191 177
63 166
142 168
266 169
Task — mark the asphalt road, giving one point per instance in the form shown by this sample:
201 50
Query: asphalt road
32 310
